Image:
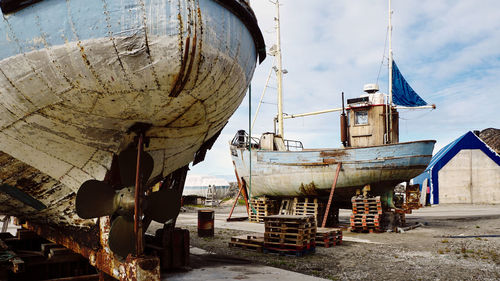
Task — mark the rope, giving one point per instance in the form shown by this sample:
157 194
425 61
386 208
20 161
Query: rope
250 148
383 55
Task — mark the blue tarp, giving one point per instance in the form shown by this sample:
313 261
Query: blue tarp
402 93
440 159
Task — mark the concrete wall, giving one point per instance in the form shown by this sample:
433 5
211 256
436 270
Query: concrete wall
470 177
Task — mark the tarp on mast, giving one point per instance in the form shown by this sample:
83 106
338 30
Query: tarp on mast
402 93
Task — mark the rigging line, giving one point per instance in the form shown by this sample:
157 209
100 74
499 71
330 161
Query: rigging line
262 96
383 55
272 103
249 193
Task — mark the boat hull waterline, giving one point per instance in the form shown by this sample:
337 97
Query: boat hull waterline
312 172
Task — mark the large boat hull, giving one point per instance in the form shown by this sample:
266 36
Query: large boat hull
75 76
312 172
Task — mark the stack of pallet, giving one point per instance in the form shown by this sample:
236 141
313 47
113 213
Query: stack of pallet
307 206
366 214
248 241
328 237
290 235
263 207
311 206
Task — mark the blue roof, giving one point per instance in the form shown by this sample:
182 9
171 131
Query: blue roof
467 141
440 159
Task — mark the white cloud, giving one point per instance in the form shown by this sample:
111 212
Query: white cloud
449 51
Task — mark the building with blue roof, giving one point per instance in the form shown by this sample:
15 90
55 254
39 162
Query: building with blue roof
466 170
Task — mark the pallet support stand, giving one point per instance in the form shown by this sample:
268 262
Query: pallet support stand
339 165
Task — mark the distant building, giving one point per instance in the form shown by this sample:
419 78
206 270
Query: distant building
491 137
197 185
466 170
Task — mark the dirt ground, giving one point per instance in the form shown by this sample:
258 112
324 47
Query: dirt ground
424 253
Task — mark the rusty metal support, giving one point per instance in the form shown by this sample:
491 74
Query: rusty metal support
132 269
339 165
245 196
138 200
243 186
242 192
234 204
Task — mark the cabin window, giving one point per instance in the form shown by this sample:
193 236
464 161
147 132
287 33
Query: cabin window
361 117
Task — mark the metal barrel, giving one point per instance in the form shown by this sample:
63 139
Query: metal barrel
205 223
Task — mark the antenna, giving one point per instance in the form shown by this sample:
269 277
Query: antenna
389 107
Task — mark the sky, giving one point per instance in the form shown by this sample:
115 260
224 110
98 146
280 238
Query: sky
447 50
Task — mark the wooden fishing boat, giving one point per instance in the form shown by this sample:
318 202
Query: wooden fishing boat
100 97
311 172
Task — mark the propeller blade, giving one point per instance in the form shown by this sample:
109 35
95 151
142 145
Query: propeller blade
128 165
95 199
163 205
121 236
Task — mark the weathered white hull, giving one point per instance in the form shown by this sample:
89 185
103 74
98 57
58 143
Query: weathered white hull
312 172
65 109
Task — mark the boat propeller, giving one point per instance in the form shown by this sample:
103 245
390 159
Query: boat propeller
97 198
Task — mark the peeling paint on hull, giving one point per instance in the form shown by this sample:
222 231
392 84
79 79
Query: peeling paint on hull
76 75
311 172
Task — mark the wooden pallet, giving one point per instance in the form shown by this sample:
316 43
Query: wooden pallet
248 241
290 220
259 217
365 219
314 207
287 239
257 248
362 205
327 237
307 206
289 232
313 200
289 252
363 222
263 207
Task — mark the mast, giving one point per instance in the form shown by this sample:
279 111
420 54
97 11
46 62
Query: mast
279 70
389 107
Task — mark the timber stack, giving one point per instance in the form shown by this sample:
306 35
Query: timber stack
290 235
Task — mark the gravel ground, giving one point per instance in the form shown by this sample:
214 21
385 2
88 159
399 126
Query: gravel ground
419 254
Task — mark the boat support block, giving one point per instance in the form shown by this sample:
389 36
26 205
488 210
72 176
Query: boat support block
131 269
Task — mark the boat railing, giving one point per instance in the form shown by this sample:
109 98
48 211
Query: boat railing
242 139
293 145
